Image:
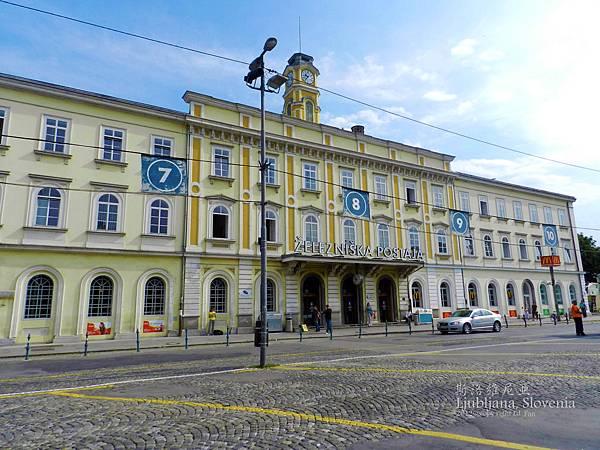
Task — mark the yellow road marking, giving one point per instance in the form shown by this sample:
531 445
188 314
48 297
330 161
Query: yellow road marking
461 372
311 418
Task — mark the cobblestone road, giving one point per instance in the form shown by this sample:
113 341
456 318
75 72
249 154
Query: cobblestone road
376 392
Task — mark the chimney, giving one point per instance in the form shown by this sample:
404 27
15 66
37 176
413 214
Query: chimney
358 129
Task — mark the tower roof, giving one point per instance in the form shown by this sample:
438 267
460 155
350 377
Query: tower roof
300 58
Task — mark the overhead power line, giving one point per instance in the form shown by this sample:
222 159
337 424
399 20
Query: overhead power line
324 89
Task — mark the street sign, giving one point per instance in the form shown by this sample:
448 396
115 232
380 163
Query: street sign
357 203
550 235
459 221
550 261
164 175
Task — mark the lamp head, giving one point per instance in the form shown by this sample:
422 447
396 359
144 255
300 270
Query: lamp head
270 44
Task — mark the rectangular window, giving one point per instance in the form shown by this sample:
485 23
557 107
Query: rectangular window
381 187
310 176
3 123
501 207
55 134
445 295
533 213
465 202
162 146
221 158
518 210
548 214
112 144
484 208
411 192
568 252
562 218
270 173
469 246
347 178
383 235
438 195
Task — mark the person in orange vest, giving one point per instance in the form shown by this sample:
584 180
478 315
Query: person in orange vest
212 317
577 317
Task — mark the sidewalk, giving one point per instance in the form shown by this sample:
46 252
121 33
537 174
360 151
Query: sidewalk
18 350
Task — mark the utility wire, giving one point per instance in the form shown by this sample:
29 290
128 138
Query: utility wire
338 94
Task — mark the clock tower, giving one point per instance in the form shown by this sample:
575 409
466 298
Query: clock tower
301 96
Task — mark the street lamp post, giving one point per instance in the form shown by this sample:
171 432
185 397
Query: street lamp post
257 70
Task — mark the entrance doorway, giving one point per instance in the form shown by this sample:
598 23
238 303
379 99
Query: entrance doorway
528 297
351 301
386 299
312 295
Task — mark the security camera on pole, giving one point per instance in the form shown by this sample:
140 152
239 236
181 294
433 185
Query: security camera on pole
257 71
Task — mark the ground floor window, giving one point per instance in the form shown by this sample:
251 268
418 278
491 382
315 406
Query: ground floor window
472 292
510 294
218 295
38 299
271 296
154 297
417 294
101 296
492 296
445 295
543 294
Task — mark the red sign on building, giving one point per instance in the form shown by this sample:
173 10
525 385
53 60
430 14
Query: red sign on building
550 261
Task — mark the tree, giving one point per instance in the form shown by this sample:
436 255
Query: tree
590 257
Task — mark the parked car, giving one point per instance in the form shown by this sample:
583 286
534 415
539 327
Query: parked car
468 320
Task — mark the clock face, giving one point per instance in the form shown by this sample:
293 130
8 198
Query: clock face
307 77
290 79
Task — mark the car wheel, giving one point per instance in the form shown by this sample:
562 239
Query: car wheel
497 326
467 328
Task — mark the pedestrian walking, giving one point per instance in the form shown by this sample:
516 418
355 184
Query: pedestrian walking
583 308
577 317
408 316
370 313
212 317
328 321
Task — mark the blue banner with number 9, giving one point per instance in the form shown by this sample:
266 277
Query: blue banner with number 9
164 175
356 203
459 221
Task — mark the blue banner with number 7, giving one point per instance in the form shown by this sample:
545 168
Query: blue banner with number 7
356 203
164 175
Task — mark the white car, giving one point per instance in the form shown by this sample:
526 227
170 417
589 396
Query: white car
468 320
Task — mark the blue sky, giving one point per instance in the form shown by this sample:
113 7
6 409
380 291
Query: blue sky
518 73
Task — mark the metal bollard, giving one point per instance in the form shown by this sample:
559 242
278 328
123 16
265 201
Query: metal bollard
525 320
137 340
386 329
540 317
185 340
359 330
227 343
85 344
27 347
505 321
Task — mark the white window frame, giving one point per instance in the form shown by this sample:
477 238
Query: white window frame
533 213
148 216
345 175
437 192
274 217
412 232
211 213
523 252
495 296
411 185
103 130
4 128
383 234
501 208
548 215
346 225
469 250
568 252
224 170
305 224
154 142
441 241
309 180
43 136
488 251
445 287
483 200
518 209
120 212
506 251
538 249
34 206
465 201
380 185
562 217
271 172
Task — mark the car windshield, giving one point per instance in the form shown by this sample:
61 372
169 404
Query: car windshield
462 313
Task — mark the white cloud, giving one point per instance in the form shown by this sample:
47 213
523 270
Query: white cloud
438 96
464 48
491 55
375 122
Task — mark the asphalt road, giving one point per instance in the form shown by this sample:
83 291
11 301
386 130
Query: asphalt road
524 387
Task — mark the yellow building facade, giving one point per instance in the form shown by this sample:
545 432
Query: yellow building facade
84 249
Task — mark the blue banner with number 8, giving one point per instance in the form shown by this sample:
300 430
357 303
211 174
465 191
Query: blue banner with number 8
356 203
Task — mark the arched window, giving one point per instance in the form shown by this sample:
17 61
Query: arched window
108 213
572 292
413 238
271 296
543 294
472 291
487 246
101 297
310 111
445 295
38 298
505 247
159 217
154 297
442 243
311 228
492 295
510 294
383 235
271 219
523 249
558 294
349 231
220 222
218 295
417 294
538 250
47 210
